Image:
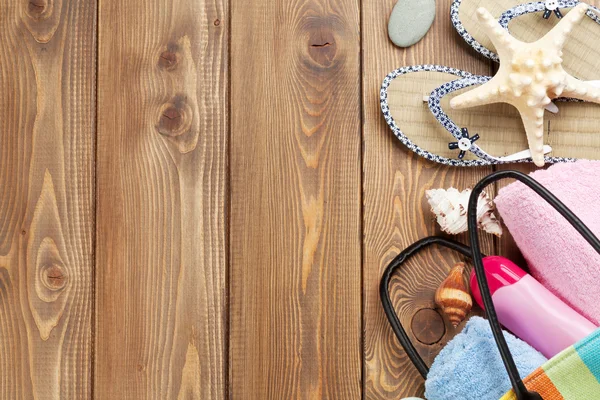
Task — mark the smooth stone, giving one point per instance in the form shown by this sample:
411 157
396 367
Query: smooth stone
410 21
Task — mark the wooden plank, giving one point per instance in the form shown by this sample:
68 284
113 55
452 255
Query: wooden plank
162 182
295 203
396 212
47 77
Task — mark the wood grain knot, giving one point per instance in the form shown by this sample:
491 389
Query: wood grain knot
322 46
428 326
37 9
175 117
168 60
54 276
44 17
217 22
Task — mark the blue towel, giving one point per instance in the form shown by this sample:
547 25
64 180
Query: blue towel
470 367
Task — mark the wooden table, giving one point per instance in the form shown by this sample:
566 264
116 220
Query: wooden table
198 198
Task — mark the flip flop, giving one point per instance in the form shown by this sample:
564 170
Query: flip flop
530 21
415 104
570 44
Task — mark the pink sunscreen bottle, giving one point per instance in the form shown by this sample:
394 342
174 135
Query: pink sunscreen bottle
529 310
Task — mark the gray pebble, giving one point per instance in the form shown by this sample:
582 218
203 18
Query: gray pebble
410 20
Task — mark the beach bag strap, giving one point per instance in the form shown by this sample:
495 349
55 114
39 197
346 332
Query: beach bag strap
384 293
475 254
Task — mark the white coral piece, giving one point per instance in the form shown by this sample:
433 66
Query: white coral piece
450 207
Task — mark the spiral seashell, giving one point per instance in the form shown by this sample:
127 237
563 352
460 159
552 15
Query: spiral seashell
453 297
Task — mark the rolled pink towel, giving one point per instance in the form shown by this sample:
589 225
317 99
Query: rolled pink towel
557 255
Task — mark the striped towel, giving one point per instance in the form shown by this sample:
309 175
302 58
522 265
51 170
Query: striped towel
573 374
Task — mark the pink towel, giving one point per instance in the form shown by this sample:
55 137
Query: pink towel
557 255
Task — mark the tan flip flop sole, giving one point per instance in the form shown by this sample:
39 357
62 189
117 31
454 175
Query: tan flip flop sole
499 126
581 52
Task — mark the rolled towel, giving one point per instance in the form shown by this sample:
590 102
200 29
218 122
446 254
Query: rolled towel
469 367
557 255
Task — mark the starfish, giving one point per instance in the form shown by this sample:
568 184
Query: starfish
530 76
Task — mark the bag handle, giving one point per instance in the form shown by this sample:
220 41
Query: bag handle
519 388
517 383
384 293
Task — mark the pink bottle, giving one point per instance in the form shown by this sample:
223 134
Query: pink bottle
529 310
